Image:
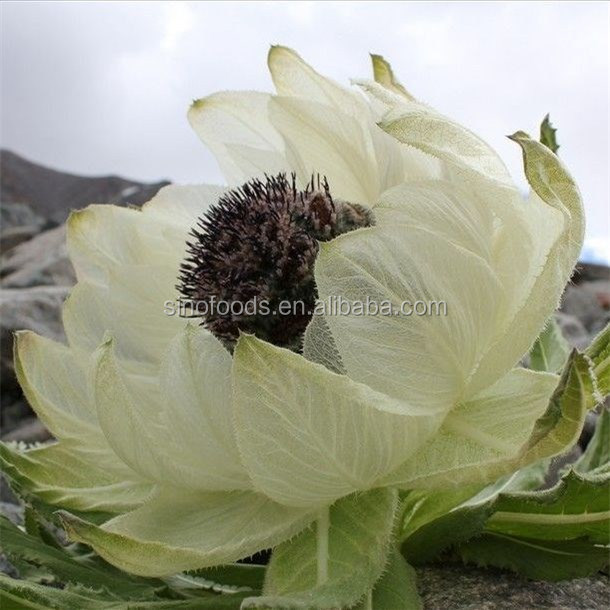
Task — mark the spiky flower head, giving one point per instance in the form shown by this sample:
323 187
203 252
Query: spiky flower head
250 262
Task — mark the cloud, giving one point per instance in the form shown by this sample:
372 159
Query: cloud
104 87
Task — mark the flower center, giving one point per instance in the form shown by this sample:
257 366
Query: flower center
249 266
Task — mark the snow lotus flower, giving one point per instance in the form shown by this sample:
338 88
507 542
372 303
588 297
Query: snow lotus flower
197 455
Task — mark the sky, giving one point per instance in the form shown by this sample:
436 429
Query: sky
103 87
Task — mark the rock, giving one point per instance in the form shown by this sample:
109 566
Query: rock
30 430
42 260
13 413
37 309
19 215
11 238
458 587
590 303
573 330
13 512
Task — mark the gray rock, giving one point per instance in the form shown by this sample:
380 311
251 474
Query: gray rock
42 260
590 303
37 309
30 430
12 237
13 512
456 587
573 330
19 214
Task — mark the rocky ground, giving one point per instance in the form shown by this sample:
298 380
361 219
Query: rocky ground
36 276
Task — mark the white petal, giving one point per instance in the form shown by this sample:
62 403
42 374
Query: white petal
180 206
57 475
198 413
556 221
308 436
145 429
236 128
496 432
425 359
293 77
329 142
101 237
178 531
55 380
137 306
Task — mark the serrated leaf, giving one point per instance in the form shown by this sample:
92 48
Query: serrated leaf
550 351
22 595
358 543
397 588
548 134
538 559
433 522
234 575
67 569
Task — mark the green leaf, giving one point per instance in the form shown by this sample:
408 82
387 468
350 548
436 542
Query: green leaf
433 522
597 453
335 563
538 559
397 588
22 595
548 135
69 569
550 351
599 353
578 507
233 575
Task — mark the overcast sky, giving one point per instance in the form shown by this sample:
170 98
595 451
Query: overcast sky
97 88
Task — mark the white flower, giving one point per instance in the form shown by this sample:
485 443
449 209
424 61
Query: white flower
206 457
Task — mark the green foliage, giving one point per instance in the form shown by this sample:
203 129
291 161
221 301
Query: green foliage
548 134
72 578
558 533
358 536
550 351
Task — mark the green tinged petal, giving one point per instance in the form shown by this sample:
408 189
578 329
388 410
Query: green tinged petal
497 432
309 436
179 530
384 75
59 477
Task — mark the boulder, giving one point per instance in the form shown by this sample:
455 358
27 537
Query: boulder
37 309
590 303
42 260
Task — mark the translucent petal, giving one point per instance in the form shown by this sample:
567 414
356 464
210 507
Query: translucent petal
293 77
236 128
308 436
58 476
481 435
55 380
138 418
198 413
425 359
179 530
556 220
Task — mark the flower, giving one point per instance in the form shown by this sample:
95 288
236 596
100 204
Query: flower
203 456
